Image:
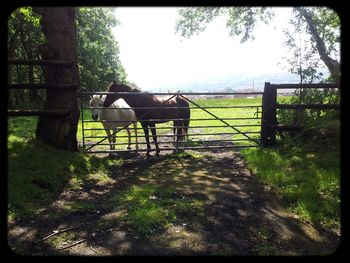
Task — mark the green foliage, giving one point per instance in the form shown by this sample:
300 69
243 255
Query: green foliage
241 20
24 38
98 52
327 23
310 117
303 57
193 20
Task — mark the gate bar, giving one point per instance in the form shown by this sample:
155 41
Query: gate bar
172 93
220 119
172 149
172 142
200 107
228 119
166 135
192 127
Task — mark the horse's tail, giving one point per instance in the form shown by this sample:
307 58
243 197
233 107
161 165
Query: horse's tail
186 114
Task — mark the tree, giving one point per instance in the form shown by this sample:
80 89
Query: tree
40 34
24 38
98 52
59 28
321 23
302 57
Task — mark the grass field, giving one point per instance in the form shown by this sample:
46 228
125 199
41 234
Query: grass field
307 177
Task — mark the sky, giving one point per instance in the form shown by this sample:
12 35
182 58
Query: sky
155 56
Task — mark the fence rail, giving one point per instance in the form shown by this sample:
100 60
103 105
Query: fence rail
46 86
59 63
269 125
51 113
42 86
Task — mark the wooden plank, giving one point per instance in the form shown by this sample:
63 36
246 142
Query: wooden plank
306 86
59 63
42 86
49 113
308 106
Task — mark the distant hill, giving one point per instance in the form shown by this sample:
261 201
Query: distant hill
235 83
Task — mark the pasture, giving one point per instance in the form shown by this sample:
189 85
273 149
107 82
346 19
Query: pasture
257 202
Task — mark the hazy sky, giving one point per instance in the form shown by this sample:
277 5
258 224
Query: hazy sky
154 56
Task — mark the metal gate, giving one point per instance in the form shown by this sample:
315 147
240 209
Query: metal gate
218 121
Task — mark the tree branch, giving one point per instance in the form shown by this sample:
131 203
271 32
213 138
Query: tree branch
330 63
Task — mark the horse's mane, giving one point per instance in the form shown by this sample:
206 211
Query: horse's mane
132 88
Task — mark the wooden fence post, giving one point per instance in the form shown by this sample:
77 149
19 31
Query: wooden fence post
268 118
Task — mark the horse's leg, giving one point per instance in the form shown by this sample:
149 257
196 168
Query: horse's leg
154 134
114 134
174 131
129 134
145 129
137 142
186 125
109 138
177 124
181 133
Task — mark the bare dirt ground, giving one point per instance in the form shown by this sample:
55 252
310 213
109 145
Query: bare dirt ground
241 216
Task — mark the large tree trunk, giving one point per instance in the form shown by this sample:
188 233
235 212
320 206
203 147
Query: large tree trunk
58 25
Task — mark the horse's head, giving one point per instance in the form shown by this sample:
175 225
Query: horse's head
96 101
117 87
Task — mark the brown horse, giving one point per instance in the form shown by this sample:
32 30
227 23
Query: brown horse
149 117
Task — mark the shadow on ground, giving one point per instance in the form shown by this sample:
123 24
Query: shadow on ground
239 216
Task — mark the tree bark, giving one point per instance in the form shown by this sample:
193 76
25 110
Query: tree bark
332 65
58 25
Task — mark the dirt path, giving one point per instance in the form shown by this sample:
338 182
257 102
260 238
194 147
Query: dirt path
240 216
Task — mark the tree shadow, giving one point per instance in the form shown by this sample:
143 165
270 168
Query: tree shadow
239 216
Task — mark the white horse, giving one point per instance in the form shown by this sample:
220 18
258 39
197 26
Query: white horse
119 116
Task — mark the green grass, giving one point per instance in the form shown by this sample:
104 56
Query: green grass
37 172
150 207
308 180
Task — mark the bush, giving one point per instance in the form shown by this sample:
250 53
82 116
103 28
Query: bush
318 123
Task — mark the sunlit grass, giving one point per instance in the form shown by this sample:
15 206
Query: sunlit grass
307 180
150 207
